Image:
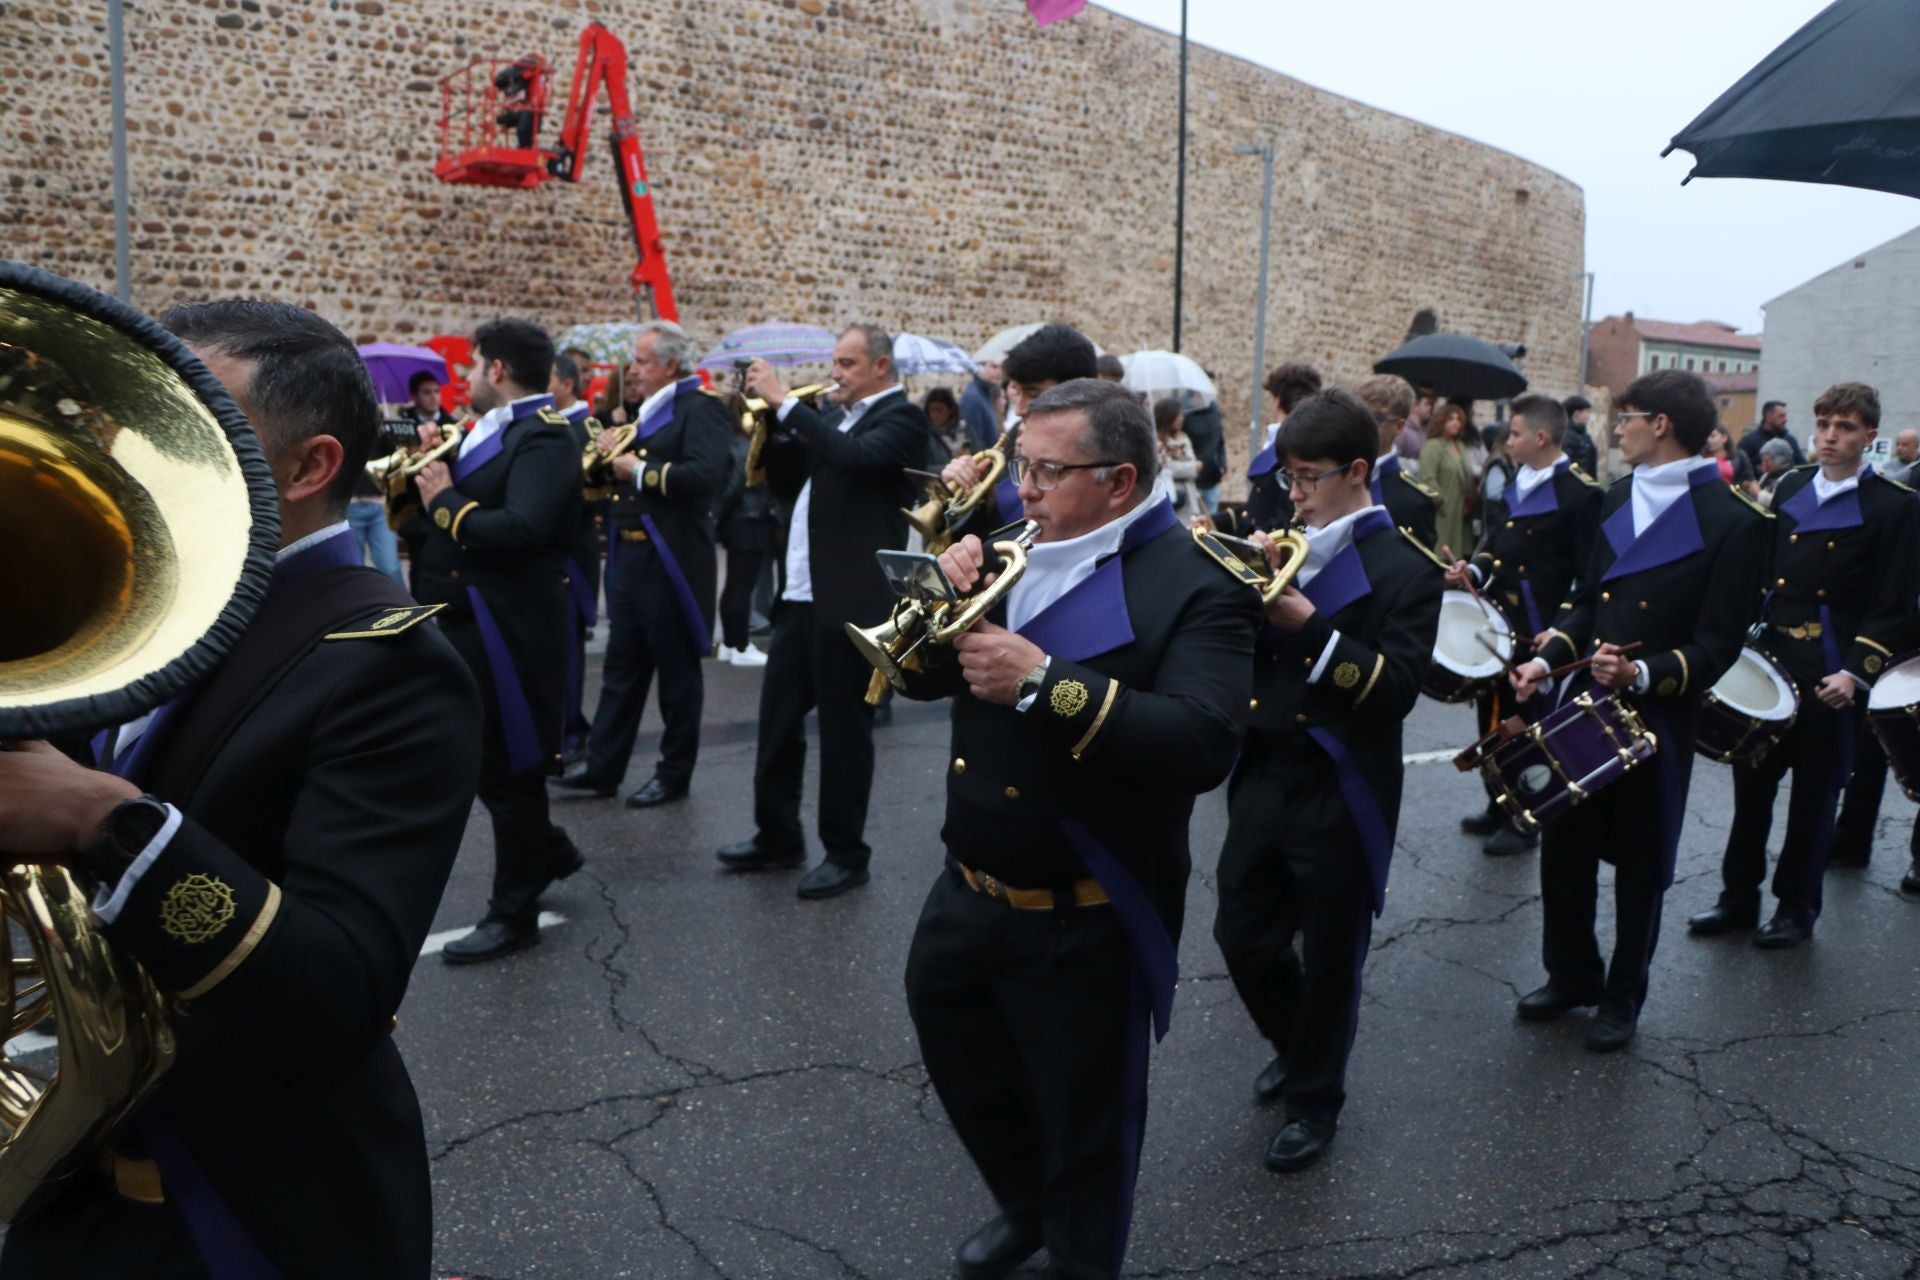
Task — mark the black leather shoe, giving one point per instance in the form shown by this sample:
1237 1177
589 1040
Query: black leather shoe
1781 932
1508 841
1272 1081
1719 919
996 1249
1484 823
581 778
490 940
1298 1145
751 855
656 792
1910 882
1549 1002
563 855
1612 1028
830 880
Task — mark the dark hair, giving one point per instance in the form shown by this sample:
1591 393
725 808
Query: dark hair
1292 383
568 372
1118 429
419 379
1110 367
1442 415
1166 412
1771 405
941 395
307 379
521 345
1331 426
1052 353
1682 396
1851 397
1543 413
1574 404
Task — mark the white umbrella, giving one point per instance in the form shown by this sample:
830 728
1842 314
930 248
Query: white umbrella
1156 371
995 349
913 354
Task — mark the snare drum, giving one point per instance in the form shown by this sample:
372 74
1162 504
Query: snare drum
1747 711
1463 663
1893 709
1539 771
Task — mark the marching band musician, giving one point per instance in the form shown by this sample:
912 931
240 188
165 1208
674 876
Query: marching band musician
271 847
848 474
1677 570
492 545
1527 566
662 571
1086 718
1267 505
1846 566
1315 799
583 563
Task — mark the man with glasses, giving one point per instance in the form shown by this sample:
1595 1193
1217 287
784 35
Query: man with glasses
1088 713
1315 798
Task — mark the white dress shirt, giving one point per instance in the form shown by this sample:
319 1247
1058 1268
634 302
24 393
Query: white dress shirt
799 562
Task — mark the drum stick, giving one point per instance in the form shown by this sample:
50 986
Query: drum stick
1626 651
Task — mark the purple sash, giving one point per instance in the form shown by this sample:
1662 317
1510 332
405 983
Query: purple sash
1153 951
226 1249
516 715
1375 840
690 614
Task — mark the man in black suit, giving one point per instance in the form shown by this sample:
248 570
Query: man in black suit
1773 426
1527 565
271 847
1845 570
1315 798
1045 953
1677 569
583 563
1577 444
662 571
1045 358
492 545
850 493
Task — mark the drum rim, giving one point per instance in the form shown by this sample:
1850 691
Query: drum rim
1894 664
1492 666
1775 674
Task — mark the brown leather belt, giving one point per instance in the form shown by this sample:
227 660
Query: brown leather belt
1086 893
1805 631
633 535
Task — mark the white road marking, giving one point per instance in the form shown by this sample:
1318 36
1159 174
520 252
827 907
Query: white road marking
1427 757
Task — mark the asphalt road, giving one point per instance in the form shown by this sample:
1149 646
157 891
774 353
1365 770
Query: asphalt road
696 1074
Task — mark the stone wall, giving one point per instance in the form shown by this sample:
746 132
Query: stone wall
942 166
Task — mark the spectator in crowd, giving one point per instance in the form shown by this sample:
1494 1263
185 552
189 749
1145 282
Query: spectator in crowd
949 439
1776 459
1906 452
980 407
1111 370
1735 469
1577 444
748 527
1175 454
1208 437
1445 470
1413 435
1496 473
1773 426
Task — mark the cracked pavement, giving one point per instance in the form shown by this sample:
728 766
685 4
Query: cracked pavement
698 1075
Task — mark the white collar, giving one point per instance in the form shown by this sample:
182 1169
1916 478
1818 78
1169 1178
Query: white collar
663 396
1326 542
1055 568
577 410
1655 488
315 538
1273 432
495 420
1380 463
1826 490
1527 479
859 407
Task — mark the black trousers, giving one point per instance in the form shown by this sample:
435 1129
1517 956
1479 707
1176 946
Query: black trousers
1034 1029
1818 750
812 665
1292 867
90 1232
736 596
526 844
646 636
1859 816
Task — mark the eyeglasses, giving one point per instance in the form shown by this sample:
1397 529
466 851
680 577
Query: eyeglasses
1635 414
1046 475
1308 479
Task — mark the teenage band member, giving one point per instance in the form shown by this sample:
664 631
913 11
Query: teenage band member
1045 358
1677 569
492 546
1846 566
1267 505
271 847
583 564
1527 566
662 571
848 474
1315 799
1046 951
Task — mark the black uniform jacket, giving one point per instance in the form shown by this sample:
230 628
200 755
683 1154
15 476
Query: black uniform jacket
1270 507
1150 668
1532 556
324 774
858 501
684 459
583 565
1382 595
1847 569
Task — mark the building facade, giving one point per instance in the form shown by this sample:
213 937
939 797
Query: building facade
1625 346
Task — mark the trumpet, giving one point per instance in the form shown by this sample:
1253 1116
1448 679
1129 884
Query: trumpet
896 646
393 475
758 418
939 514
1248 562
596 464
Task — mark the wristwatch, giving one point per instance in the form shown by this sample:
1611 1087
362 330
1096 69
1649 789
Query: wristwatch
130 827
1030 683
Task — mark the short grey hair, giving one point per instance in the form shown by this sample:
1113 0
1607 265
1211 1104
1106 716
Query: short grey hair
670 343
1118 428
1779 451
878 341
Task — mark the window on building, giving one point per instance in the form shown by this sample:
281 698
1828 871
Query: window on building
1653 362
1689 364
1723 366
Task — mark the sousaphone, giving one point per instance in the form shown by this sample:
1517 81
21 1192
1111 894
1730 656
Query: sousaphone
138 525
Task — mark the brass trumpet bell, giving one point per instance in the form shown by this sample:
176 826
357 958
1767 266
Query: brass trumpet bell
929 519
596 464
758 419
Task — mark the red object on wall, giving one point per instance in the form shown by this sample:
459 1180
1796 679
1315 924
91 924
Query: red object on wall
457 350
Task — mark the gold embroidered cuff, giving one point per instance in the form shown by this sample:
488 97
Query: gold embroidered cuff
458 516
1873 644
1684 675
664 468
255 931
1100 718
1379 665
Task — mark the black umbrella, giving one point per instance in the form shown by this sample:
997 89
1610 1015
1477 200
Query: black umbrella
1458 366
1839 102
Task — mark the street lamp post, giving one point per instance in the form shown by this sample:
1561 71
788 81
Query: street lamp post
1180 186
1265 152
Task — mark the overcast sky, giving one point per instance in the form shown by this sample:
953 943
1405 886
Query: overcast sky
1592 92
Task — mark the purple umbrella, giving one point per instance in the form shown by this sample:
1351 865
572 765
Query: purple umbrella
776 343
393 364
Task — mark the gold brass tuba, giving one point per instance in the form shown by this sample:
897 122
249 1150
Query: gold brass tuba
393 475
895 645
758 419
1246 561
137 529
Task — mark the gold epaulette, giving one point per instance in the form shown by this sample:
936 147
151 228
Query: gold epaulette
1434 494
1742 494
388 622
1422 547
1582 476
1898 484
553 417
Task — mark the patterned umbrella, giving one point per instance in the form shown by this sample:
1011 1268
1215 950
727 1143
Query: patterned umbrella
393 364
776 342
913 354
1157 371
995 349
609 342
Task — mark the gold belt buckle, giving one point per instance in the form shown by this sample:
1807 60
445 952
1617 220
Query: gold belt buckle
992 887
